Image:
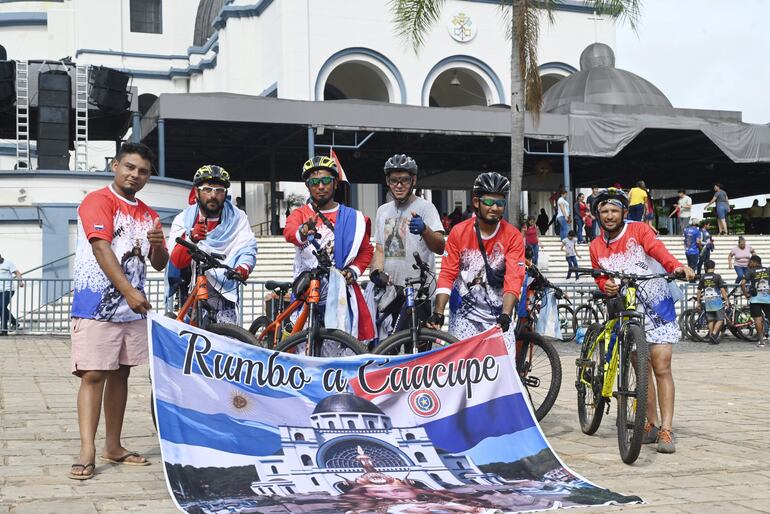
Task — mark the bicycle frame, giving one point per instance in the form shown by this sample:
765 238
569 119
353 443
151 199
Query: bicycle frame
197 297
276 326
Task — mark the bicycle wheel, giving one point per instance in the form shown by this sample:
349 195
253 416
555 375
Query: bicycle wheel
334 343
401 342
699 327
567 322
234 332
744 325
539 371
590 378
632 392
256 328
684 320
585 316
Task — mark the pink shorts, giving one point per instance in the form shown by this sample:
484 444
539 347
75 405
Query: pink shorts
105 346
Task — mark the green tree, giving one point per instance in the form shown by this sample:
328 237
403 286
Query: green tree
413 19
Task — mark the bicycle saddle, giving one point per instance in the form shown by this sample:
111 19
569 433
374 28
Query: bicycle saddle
274 284
598 295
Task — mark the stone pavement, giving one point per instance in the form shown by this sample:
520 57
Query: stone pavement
722 462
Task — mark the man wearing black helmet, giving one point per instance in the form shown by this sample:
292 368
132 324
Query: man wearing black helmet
483 268
633 248
216 225
341 231
405 225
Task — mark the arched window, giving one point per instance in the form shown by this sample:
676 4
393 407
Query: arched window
351 424
306 460
331 424
299 437
274 470
371 424
420 457
356 80
409 436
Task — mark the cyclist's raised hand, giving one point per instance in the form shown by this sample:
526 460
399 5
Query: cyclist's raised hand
416 224
307 228
504 321
155 234
611 288
137 302
686 271
199 231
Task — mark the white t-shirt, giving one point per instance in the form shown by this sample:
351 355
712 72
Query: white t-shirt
685 206
398 244
569 246
562 207
7 270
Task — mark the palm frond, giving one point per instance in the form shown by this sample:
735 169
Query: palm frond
623 10
413 19
526 33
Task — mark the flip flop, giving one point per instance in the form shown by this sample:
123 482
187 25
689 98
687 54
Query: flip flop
122 460
84 467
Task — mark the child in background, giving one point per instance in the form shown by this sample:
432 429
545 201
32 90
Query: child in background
568 245
713 293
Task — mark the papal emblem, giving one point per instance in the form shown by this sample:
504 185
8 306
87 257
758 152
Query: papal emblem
461 27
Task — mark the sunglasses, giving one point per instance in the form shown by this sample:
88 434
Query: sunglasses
393 181
319 180
489 202
208 190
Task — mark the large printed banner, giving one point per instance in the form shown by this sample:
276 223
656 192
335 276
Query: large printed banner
243 429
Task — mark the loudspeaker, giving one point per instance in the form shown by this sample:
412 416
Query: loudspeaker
7 84
53 122
109 89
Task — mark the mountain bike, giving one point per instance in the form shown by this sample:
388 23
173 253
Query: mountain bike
315 340
408 335
592 310
196 309
737 320
617 350
537 361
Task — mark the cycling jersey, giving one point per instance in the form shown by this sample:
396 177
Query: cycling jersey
637 250
759 284
692 236
304 259
474 305
711 285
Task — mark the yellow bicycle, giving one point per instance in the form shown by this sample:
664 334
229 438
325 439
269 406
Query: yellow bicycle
614 363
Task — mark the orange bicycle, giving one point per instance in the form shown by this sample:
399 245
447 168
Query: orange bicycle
288 336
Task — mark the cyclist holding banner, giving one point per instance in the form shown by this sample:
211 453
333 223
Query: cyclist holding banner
483 269
632 247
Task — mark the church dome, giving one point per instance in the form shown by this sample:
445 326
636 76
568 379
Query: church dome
600 82
346 402
207 13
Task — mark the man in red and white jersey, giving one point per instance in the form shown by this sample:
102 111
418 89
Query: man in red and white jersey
632 247
116 232
341 231
483 269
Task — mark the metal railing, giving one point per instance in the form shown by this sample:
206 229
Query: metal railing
43 306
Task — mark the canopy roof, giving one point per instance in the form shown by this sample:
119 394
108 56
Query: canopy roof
617 143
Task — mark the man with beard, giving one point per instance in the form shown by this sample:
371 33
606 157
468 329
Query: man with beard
342 232
483 269
216 225
108 341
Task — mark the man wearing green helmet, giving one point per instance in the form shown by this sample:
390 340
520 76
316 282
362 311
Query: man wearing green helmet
214 223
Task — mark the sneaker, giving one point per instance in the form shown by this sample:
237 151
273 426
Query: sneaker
666 442
761 343
650 433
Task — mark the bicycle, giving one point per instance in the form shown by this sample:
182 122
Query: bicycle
317 340
270 332
591 311
616 349
537 361
408 334
737 320
196 309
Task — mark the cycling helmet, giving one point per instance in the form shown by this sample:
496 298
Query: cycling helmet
211 173
613 195
491 182
401 162
319 162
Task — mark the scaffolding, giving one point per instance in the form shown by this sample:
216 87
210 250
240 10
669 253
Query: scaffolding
22 116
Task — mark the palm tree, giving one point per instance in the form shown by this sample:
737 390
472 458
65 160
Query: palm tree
413 19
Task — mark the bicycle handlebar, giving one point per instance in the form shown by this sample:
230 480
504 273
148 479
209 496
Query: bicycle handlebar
210 260
598 272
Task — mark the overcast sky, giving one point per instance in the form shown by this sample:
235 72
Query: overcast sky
705 54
